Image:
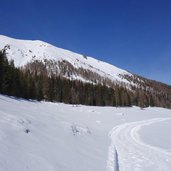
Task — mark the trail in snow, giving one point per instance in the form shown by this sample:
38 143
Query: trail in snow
128 152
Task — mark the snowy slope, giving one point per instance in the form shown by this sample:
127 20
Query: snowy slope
41 136
24 51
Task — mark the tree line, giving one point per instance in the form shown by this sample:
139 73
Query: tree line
39 86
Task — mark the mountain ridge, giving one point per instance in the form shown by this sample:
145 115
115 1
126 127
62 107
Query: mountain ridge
28 51
44 71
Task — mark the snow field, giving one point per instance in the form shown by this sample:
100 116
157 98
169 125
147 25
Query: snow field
41 136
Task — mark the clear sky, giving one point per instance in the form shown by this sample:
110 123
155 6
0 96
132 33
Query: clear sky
132 34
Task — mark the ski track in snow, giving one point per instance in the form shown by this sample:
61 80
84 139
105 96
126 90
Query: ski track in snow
128 152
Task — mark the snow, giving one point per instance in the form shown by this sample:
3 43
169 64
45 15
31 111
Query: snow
159 138
133 152
24 51
41 136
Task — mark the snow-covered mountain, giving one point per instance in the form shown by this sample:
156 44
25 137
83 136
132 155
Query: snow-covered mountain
41 57
81 67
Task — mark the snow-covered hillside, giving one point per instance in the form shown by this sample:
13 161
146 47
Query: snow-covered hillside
25 51
44 136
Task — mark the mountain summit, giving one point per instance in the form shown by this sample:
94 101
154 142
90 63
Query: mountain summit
47 68
77 66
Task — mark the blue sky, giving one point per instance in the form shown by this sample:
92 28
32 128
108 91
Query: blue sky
131 34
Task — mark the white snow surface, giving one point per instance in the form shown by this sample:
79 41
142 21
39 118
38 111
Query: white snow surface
158 139
45 136
131 153
24 51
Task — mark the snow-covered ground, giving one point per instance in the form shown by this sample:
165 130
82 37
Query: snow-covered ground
44 136
159 138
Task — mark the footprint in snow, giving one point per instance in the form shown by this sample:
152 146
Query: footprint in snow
27 131
79 130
